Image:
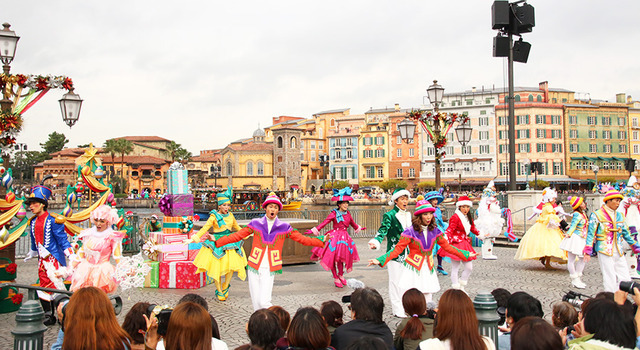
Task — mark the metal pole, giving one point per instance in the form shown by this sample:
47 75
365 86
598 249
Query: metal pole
436 133
486 306
512 121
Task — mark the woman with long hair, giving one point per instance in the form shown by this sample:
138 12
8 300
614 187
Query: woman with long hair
411 331
574 241
308 331
340 252
460 227
418 270
333 315
457 325
135 325
90 323
189 328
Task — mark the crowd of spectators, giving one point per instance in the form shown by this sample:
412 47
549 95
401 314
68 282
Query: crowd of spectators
606 321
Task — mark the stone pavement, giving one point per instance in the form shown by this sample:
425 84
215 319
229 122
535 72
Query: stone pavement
310 285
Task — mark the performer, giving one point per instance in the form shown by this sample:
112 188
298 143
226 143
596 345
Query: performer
340 252
489 221
574 241
49 243
220 261
394 222
542 240
420 239
99 243
460 226
435 198
608 229
629 207
265 260
153 225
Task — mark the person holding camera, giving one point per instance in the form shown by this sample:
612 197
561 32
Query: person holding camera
519 306
608 230
188 327
574 241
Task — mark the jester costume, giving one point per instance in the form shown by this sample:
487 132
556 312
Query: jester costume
608 229
265 259
340 252
224 260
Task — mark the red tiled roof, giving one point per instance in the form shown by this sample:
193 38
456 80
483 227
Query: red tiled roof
143 138
137 160
149 146
73 152
207 158
251 146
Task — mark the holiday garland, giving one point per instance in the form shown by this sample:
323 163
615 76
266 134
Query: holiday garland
445 121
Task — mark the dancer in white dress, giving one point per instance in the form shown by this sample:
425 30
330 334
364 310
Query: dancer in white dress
574 241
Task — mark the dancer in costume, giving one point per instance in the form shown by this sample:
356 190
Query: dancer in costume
220 261
265 260
629 207
460 226
340 252
574 241
435 198
490 221
542 240
153 225
608 229
418 270
49 243
394 222
99 243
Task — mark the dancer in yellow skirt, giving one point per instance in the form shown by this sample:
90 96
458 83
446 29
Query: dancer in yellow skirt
222 261
542 240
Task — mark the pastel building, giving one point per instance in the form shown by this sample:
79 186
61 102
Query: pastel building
404 158
342 136
374 146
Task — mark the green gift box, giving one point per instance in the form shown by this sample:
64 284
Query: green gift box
8 270
153 278
10 300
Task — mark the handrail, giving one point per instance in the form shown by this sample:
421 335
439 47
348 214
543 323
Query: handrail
521 209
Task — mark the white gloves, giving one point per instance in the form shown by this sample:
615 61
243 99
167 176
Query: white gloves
31 254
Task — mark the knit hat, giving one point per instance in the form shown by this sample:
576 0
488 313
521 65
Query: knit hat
611 194
225 197
548 194
576 202
272 198
434 195
399 192
464 200
423 206
343 195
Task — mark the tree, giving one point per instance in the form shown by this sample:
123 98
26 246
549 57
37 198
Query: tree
55 143
337 184
23 163
111 147
183 156
172 149
123 147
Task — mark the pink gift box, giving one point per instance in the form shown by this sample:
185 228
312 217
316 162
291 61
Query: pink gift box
181 275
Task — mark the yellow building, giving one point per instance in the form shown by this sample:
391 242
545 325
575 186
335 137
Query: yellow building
153 146
373 147
634 130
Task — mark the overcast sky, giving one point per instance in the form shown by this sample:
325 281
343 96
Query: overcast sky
205 73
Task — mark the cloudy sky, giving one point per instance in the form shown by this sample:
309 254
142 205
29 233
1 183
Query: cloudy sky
204 73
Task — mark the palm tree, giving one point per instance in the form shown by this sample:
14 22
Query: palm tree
182 155
123 147
110 146
172 149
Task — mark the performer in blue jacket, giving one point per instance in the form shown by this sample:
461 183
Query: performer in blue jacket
435 198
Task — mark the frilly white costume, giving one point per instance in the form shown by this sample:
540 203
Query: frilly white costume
630 207
548 194
490 221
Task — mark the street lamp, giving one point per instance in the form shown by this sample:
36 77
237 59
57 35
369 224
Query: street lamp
70 104
324 163
215 172
527 168
407 129
595 169
8 44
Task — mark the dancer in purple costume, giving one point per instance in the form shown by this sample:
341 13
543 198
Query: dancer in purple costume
339 253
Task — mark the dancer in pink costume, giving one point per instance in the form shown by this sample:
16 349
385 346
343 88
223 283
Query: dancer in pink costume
99 243
340 252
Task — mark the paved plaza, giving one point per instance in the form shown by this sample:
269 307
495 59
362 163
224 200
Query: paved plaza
309 284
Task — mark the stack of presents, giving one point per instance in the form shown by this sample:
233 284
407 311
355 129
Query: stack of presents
10 298
171 260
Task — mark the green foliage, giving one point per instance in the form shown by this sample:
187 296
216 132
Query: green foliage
393 184
23 163
370 183
337 184
177 153
120 195
607 179
55 143
541 184
426 184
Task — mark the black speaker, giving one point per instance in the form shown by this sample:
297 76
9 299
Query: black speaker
501 46
524 20
630 164
499 14
521 51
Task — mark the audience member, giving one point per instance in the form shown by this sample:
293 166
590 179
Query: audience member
283 316
457 325
604 326
519 305
308 331
263 330
418 326
534 333
501 296
367 342
90 322
366 314
189 328
332 313
563 315
135 325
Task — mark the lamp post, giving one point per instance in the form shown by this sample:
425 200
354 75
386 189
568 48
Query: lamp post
436 125
595 169
527 168
324 163
215 173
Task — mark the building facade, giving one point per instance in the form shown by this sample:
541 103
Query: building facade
374 147
342 137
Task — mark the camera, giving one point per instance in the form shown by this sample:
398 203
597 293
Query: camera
574 298
628 286
162 313
63 299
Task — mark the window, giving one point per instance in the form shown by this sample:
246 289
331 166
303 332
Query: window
466 150
380 173
606 121
635 136
540 119
412 172
483 112
523 119
449 150
349 153
573 119
367 141
606 134
621 121
483 121
522 134
313 156
541 133
555 134
399 153
320 133
337 172
593 148
592 121
557 168
350 141
469 102
622 148
483 135
524 148
502 134
371 172
399 172
573 148
337 154
517 98
350 171
229 168
398 140
636 149
450 136
411 152
293 142
555 119
379 140
622 135
279 141
634 122
487 100
530 98
502 120
431 151
573 133
250 169
540 147
482 166
606 148
379 153
313 144
556 148
593 134
484 149
320 144
502 148
504 168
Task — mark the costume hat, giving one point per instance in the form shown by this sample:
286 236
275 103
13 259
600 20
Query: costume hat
399 192
434 195
225 197
39 194
632 181
611 194
548 194
343 195
272 198
423 206
575 202
464 200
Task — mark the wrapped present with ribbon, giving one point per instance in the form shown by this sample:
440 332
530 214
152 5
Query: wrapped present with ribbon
152 279
181 275
177 224
177 179
181 204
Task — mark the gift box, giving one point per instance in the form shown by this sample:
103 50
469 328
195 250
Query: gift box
151 280
168 238
181 275
177 181
173 252
175 224
11 299
8 269
181 204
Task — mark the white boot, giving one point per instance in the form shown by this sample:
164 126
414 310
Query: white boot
455 286
487 249
575 280
463 284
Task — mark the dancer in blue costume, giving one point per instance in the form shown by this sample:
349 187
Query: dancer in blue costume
435 198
